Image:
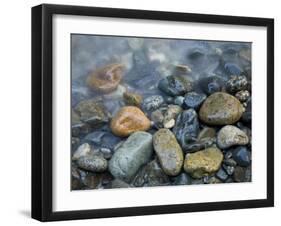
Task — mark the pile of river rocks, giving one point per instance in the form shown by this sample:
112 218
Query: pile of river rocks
192 132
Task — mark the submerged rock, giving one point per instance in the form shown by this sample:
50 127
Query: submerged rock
106 79
176 85
203 163
186 128
151 175
91 112
221 109
132 99
168 151
230 135
152 102
129 119
232 69
211 84
131 155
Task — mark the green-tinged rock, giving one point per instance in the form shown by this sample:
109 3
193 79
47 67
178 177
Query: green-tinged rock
206 133
168 151
203 163
221 109
132 99
131 155
91 112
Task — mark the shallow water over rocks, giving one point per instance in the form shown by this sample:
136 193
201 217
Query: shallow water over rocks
190 89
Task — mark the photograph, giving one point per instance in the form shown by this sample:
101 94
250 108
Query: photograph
152 111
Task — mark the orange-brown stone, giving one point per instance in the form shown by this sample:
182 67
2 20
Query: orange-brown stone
106 79
129 119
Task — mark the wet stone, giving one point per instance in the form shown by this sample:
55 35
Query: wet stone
242 174
206 133
165 116
93 163
151 175
203 163
243 95
199 145
152 102
103 139
232 69
221 174
228 155
168 151
242 156
82 150
179 100
211 180
221 109
117 183
106 152
182 179
132 99
230 162
247 115
131 155
230 135
211 84
107 78
91 112
187 128
228 169
236 83
193 100
127 120
175 85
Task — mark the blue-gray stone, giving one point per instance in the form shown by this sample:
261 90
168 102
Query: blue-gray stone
182 179
186 128
175 85
193 100
179 100
131 155
152 102
242 156
221 174
232 69
211 84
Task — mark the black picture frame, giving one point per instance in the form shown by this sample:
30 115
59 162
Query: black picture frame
42 107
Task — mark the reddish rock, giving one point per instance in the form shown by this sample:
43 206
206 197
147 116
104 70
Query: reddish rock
129 119
106 79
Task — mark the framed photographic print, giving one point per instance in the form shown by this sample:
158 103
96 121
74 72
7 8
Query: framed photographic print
146 112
